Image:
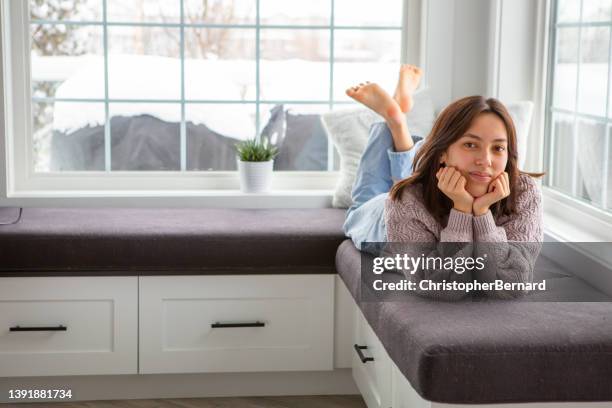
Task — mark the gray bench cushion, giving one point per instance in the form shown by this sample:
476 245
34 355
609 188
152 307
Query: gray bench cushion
496 351
101 241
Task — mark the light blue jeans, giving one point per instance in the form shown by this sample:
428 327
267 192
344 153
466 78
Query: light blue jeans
379 167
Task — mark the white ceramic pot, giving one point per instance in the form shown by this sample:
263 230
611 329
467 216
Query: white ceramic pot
255 177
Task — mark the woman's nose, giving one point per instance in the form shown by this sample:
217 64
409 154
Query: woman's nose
484 160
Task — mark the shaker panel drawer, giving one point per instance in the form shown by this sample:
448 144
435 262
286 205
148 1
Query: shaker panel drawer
236 323
68 326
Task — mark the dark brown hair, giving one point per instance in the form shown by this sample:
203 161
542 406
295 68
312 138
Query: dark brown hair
451 124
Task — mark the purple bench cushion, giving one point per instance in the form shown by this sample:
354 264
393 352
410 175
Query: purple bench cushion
496 351
102 241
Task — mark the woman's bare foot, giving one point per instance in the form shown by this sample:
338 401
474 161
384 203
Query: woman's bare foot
377 99
409 78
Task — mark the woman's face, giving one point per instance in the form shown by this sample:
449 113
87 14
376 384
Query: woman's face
480 154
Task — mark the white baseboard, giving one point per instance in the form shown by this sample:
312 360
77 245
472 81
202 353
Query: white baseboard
153 386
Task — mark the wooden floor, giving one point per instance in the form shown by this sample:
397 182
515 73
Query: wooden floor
327 401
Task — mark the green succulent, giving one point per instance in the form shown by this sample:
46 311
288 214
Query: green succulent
253 150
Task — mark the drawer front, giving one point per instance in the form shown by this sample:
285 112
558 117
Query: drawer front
373 377
236 323
68 326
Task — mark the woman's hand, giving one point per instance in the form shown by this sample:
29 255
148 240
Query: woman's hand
452 183
497 190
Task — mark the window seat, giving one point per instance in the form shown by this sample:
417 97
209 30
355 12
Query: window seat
489 351
153 241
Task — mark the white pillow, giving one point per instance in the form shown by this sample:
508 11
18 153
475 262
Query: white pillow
521 115
349 130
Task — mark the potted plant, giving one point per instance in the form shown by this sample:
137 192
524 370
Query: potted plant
255 161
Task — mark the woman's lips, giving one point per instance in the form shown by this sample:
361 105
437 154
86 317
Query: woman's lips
480 177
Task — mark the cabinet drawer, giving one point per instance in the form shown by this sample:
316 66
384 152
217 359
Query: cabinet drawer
68 326
236 323
373 377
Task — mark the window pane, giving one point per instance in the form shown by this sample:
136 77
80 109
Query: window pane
144 11
74 10
365 13
596 10
66 61
283 12
563 155
144 63
294 64
568 10
220 11
220 64
566 69
591 142
213 131
593 71
68 136
365 56
145 136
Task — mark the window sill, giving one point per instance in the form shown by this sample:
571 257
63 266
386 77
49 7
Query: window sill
175 198
568 221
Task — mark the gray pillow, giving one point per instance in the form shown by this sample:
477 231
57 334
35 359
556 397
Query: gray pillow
305 145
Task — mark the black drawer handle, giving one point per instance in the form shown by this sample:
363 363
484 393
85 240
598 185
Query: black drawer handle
40 328
363 358
222 325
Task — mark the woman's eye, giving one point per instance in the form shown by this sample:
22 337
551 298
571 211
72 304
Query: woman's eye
500 148
469 145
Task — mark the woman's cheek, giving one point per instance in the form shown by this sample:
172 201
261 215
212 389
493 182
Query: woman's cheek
499 167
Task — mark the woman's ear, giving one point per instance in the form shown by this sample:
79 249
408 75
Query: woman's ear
443 160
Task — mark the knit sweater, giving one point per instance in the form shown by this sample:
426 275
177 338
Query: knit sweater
511 243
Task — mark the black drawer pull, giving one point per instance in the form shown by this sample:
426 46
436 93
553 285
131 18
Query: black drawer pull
40 328
222 325
363 358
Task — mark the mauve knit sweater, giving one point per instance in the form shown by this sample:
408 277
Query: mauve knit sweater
513 241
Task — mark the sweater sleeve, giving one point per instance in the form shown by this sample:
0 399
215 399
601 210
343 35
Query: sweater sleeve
512 247
401 162
412 231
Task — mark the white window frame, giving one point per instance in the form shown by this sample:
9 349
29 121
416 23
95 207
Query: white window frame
565 218
19 185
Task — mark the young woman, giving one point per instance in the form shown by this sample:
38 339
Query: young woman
459 185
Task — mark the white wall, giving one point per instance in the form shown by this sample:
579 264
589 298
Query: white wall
518 76
457 49
463 49
471 45
484 47
517 50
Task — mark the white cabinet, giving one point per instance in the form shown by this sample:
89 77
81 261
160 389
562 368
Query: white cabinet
380 382
404 396
68 326
371 365
235 323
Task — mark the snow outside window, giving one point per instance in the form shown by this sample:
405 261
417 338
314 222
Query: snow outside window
580 102
161 85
